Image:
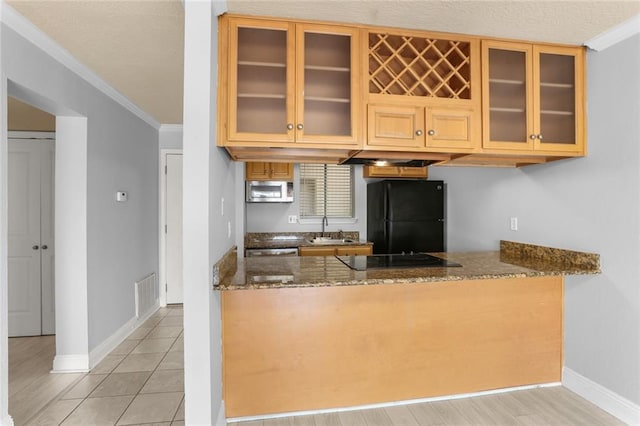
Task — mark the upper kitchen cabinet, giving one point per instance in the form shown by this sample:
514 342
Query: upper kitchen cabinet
268 171
289 83
423 91
533 98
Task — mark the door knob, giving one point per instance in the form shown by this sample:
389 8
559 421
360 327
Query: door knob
300 126
418 132
289 126
35 247
44 247
431 132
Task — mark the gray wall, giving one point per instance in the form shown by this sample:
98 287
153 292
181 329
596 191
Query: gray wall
122 154
590 204
170 137
273 217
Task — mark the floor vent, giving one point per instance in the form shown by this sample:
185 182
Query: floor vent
146 294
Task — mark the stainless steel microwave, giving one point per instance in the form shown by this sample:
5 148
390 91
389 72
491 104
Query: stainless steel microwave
269 192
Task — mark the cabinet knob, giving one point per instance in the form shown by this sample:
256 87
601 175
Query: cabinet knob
533 136
431 132
289 126
300 126
419 132
540 137
44 247
35 247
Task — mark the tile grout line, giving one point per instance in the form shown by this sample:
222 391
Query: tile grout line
153 371
149 393
112 371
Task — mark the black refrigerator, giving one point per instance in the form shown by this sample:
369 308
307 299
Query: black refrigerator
406 216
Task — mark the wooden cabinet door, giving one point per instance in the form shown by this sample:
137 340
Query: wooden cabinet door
395 126
316 251
281 171
354 251
507 101
451 128
535 97
261 81
558 96
394 172
415 172
256 171
327 100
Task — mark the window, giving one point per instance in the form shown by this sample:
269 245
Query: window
326 190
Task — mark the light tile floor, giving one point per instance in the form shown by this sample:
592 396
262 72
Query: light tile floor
139 382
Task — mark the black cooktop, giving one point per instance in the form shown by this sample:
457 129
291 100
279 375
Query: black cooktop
405 260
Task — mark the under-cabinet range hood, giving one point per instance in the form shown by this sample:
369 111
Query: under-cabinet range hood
396 158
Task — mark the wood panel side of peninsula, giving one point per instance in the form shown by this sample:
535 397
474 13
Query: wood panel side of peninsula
296 349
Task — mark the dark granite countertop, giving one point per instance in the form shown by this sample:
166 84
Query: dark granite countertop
513 260
268 240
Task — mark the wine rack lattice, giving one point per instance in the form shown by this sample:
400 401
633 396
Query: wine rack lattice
415 66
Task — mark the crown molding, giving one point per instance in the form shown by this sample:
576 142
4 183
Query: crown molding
620 32
18 23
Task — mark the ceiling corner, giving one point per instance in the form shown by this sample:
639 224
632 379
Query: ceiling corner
615 35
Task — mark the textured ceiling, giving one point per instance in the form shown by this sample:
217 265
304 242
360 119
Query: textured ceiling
137 45
558 21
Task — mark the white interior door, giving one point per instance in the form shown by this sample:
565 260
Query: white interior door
26 243
173 209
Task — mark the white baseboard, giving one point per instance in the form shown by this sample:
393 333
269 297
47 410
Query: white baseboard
597 394
81 363
109 344
77 363
221 420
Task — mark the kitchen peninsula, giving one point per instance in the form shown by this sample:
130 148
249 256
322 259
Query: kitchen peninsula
309 333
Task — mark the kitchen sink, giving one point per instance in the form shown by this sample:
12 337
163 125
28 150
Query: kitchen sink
329 241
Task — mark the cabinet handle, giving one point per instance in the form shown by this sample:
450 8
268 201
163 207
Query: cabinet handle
300 126
540 137
419 132
533 137
44 247
289 126
35 247
431 132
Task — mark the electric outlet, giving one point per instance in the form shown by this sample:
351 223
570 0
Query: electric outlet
293 218
229 229
514 223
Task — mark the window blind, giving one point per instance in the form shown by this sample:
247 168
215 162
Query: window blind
326 190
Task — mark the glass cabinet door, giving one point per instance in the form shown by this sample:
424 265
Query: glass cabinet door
507 81
557 94
325 84
534 97
260 101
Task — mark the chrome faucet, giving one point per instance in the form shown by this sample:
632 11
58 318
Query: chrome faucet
325 222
